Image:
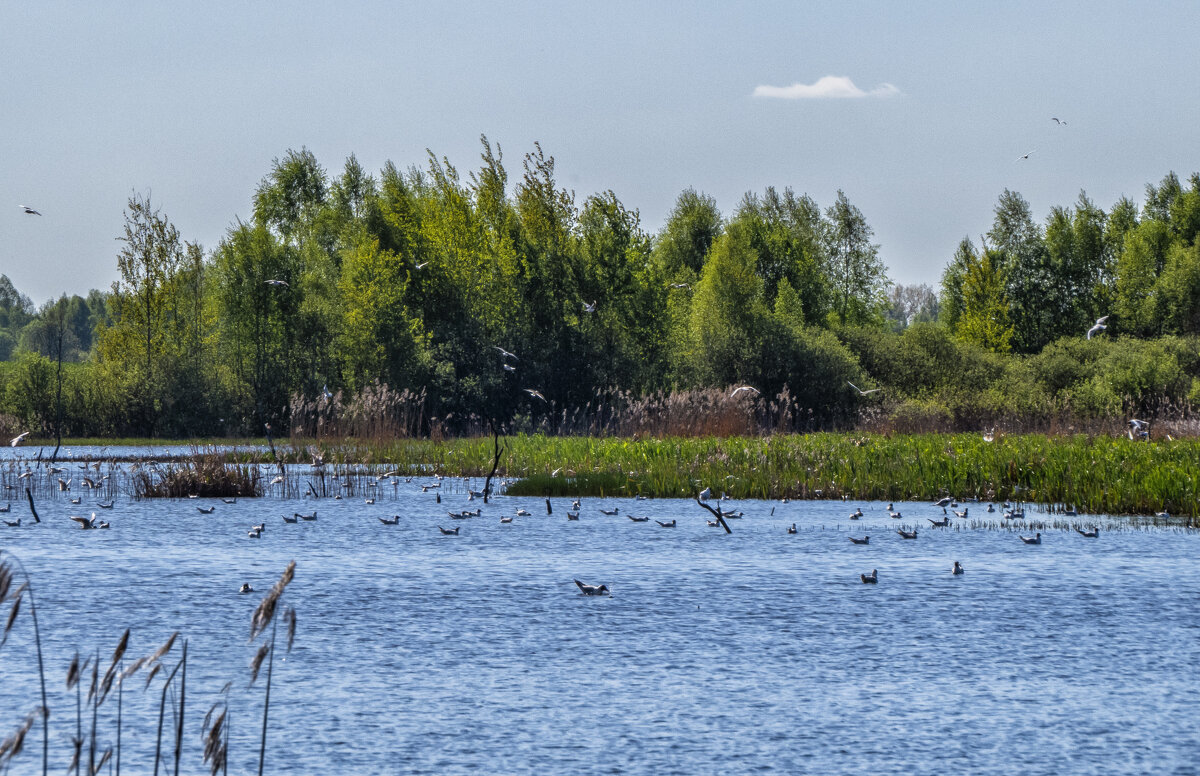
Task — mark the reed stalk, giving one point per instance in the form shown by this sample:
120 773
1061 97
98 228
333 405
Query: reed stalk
26 590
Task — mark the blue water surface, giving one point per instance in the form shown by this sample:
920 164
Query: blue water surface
754 652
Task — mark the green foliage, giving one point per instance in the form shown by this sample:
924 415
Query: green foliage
985 311
407 282
729 312
857 276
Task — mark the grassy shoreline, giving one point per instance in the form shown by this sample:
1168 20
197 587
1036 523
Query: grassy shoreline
1097 474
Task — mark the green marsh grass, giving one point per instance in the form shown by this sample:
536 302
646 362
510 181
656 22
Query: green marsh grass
1096 474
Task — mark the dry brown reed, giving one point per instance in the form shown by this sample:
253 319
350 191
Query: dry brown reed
12 745
375 412
205 474
378 413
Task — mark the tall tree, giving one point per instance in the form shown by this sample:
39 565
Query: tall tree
682 247
984 320
140 344
856 273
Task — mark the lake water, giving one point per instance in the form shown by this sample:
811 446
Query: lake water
754 652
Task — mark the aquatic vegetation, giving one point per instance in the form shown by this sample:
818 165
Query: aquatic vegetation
1097 474
205 474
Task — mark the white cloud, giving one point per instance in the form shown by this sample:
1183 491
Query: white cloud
829 87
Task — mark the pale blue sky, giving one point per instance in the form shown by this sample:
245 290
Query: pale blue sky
191 101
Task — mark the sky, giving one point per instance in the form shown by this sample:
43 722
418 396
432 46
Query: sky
918 111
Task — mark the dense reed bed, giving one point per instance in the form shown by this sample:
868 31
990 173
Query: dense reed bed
204 475
1097 474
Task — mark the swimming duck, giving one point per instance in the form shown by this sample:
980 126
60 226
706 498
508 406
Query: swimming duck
254 533
870 579
1037 539
1163 514
907 534
609 512
670 524
77 500
294 519
245 588
962 514
864 540
206 510
856 514
958 569
105 504
572 515
991 508
895 515
1092 534
592 589
368 501
449 531
394 520
506 520
713 523
792 530
13 523
524 513
575 505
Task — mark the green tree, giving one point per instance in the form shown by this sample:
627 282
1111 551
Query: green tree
1142 261
729 313
141 347
856 273
953 276
682 247
788 235
984 320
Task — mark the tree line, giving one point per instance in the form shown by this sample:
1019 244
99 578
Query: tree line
418 281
